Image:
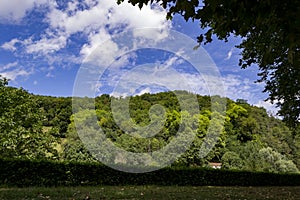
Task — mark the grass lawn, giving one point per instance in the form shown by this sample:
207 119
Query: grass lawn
150 192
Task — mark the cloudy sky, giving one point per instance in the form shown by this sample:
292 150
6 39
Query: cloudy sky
44 44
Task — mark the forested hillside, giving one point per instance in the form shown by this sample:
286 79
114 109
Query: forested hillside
42 127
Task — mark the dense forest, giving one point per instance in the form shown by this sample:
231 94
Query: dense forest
42 127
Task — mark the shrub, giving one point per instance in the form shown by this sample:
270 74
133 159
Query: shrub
24 173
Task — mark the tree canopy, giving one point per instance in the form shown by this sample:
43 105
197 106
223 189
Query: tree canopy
271 39
43 127
21 131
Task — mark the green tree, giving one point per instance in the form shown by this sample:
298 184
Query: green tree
270 31
21 133
232 160
247 129
73 148
272 161
249 154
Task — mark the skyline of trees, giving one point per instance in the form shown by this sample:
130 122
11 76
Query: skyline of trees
43 127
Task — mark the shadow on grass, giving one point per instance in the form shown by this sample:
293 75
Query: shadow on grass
150 192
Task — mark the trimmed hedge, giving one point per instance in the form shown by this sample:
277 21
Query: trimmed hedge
24 173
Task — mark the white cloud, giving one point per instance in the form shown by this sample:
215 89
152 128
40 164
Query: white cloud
150 80
15 10
10 45
49 75
156 77
97 20
104 54
12 75
171 62
47 45
8 66
13 70
110 19
78 20
271 108
229 54
144 91
238 87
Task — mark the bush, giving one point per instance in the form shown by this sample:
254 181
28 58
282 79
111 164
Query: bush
24 173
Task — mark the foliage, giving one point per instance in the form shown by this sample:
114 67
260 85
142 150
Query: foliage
253 157
56 112
270 32
21 133
231 160
44 173
44 127
246 131
273 161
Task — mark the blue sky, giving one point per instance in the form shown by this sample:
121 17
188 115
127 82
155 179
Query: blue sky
44 43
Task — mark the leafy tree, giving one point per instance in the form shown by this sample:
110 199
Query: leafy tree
249 154
272 161
232 160
270 32
279 138
73 147
21 133
57 112
30 126
296 150
247 129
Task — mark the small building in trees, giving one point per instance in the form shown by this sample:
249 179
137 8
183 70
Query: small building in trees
215 165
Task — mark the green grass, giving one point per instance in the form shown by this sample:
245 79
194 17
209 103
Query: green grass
150 192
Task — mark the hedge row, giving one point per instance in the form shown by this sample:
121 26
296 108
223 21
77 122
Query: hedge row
23 173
